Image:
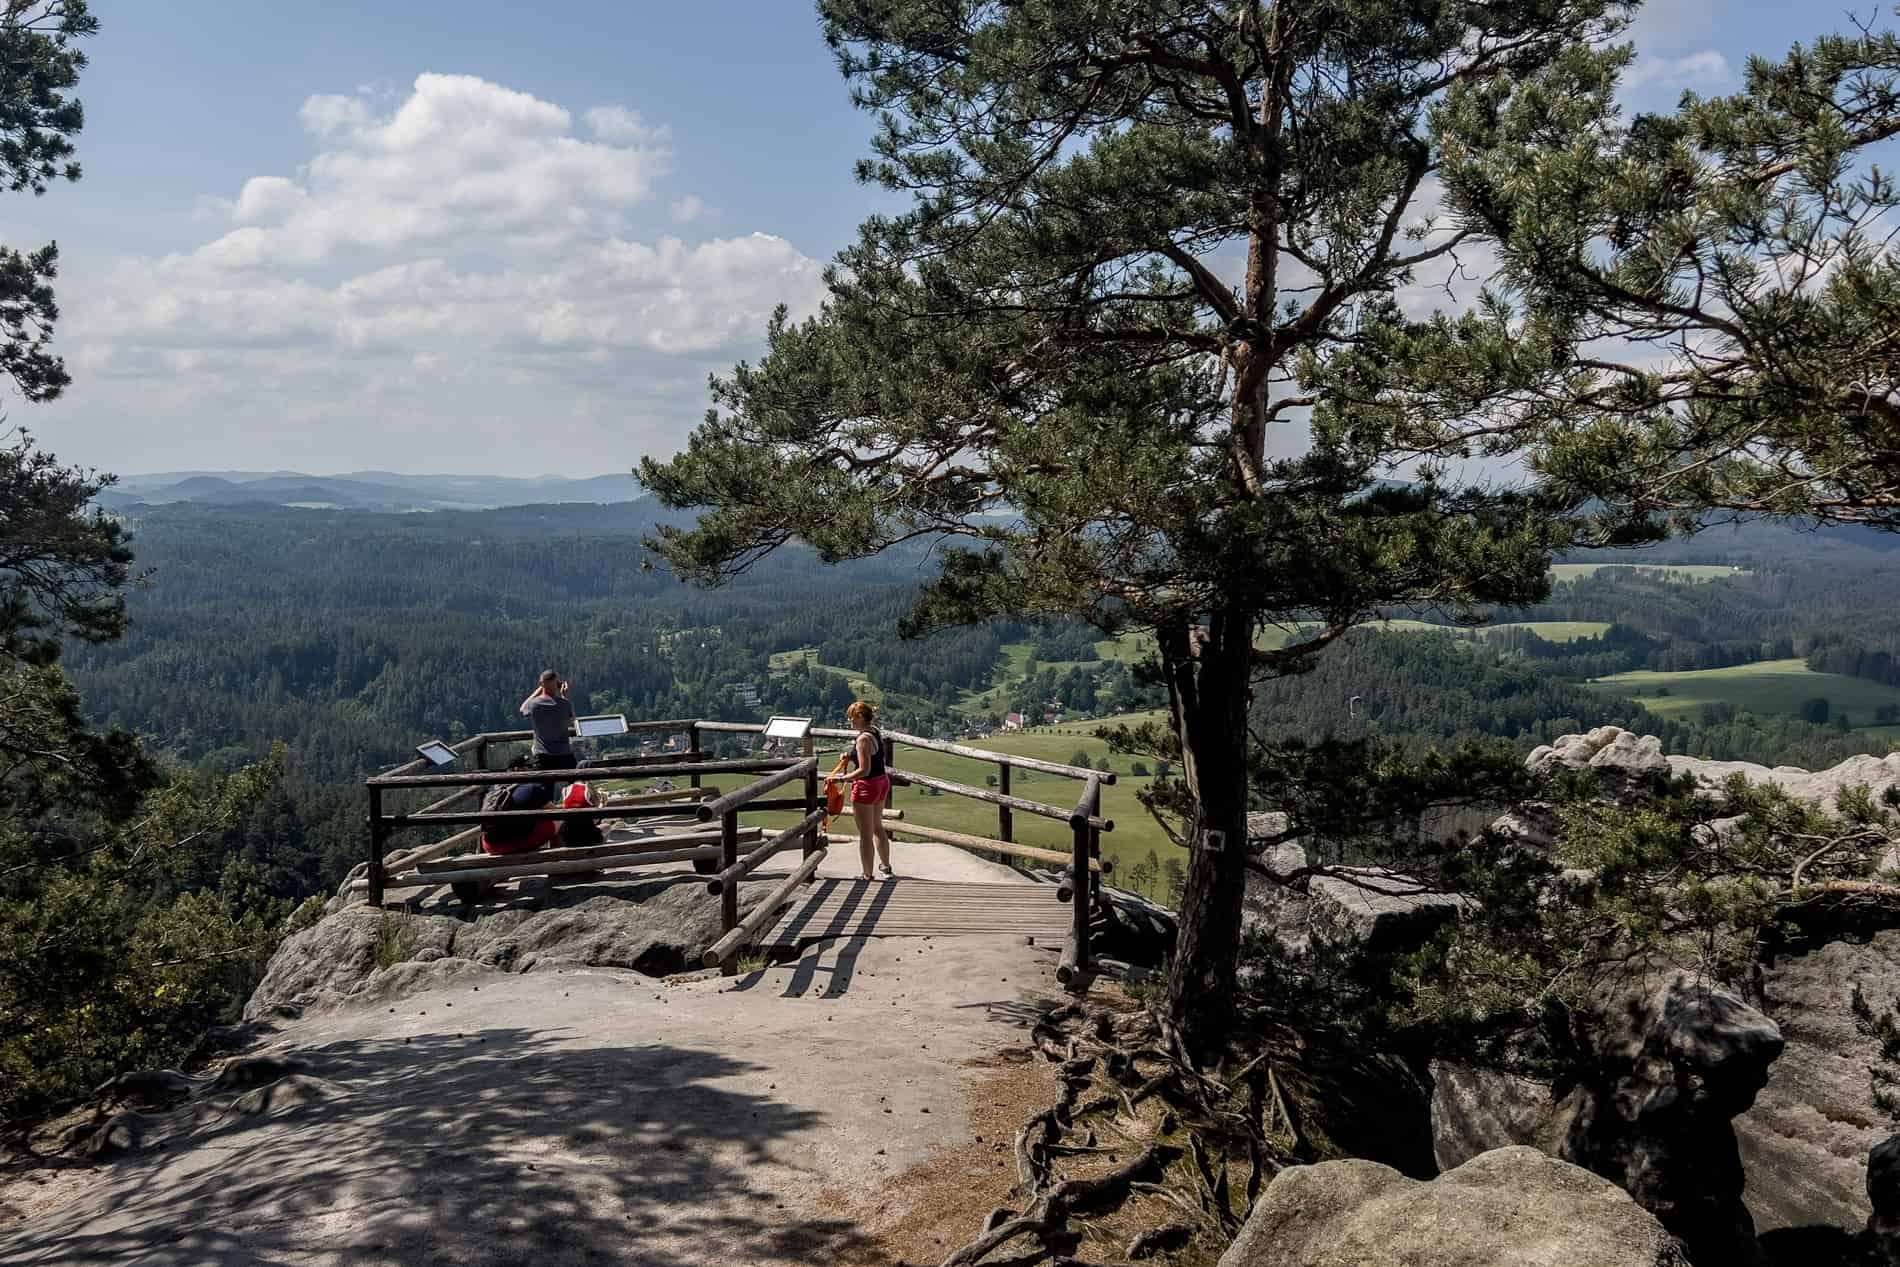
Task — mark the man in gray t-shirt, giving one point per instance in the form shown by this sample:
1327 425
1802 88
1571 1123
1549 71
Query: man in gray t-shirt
551 716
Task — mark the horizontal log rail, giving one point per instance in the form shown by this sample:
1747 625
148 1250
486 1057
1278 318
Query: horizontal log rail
394 821
764 913
758 728
592 774
752 861
421 763
908 777
578 866
421 853
984 844
999 758
738 798
573 853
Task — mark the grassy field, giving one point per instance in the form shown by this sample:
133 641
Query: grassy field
1771 687
1135 834
1128 647
864 687
1678 571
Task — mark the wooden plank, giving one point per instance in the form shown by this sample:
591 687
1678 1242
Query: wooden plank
612 849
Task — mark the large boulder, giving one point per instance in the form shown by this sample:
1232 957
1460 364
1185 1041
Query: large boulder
653 926
1514 1207
1806 1140
1675 1062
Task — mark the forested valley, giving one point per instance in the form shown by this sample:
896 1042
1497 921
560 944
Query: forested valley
350 636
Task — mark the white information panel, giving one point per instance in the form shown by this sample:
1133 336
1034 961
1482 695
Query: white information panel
605 724
438 752
787 727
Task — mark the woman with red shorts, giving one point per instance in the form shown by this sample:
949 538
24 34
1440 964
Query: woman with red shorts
870 790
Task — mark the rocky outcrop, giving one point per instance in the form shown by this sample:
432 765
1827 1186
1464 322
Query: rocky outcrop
1514 1207
1624 763
1805 1142
1676 1063
1629 762
654 926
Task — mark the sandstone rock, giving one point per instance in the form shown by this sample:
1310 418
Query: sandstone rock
1678 1061
1806 1140
1376 909
1276 912
294 1091
1476 1110
255 1071
1623 761
1513 1207
655 926
118 1135
1817 787
158 1087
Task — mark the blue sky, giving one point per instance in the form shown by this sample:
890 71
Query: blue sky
478 236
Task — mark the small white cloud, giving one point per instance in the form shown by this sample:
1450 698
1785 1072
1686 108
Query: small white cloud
622 126
1676 73
688 209
331 115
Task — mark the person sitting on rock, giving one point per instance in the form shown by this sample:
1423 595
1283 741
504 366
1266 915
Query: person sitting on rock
580 831
517 835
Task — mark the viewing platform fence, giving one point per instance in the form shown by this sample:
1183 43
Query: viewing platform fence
700 825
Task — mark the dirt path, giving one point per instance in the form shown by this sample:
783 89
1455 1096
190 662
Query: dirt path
587 1117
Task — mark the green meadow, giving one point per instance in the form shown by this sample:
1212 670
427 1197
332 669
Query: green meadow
1771 687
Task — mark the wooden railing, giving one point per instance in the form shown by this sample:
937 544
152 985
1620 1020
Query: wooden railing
713 851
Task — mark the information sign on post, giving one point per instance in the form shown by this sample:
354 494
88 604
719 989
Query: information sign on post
793 729
601 725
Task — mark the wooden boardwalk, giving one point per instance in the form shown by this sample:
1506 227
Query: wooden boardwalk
920 908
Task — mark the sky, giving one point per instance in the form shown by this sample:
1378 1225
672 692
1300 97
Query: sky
481 237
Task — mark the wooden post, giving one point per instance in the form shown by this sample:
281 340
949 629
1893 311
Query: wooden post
890 759
1074 968
810 749
480 752
692 747
378 833
729 897
1005 821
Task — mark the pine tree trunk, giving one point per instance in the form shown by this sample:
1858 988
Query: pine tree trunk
1208 678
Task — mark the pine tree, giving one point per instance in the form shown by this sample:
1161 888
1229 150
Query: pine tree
1137 347
1734 263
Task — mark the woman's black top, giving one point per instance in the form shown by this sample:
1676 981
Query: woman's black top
877 754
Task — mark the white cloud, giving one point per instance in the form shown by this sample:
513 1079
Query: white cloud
457 268
688 209
1675 74
623 126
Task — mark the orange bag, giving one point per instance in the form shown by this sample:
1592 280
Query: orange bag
834 791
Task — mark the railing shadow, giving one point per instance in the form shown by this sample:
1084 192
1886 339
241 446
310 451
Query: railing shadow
497 1146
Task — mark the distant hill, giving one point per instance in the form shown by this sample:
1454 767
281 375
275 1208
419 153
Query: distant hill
366 490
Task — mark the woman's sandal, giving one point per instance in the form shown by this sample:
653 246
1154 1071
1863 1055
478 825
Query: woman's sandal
886 872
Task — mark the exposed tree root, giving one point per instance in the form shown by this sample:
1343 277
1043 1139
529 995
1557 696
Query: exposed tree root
1112 1064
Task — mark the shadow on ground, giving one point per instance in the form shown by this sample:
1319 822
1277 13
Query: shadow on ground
499 1146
